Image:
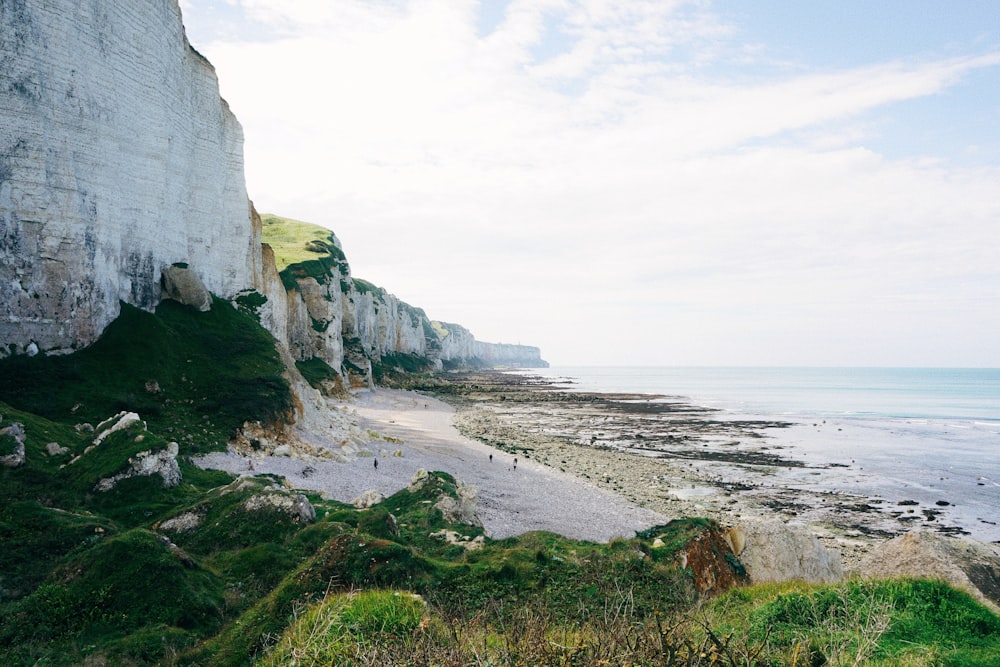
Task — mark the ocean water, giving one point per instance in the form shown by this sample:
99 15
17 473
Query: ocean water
926 434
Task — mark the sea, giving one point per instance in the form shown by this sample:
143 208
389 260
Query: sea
930 435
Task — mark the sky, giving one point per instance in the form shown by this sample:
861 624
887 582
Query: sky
652 182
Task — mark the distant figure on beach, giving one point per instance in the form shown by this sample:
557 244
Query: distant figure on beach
249 464
376 464
515 464
491 458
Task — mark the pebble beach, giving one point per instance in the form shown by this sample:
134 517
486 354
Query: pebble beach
408 431
587 466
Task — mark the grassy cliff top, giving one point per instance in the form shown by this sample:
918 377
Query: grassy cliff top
294 241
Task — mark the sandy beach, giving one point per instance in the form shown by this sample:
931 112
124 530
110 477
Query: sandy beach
408 431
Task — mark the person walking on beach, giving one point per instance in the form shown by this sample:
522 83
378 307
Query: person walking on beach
376 464
515 464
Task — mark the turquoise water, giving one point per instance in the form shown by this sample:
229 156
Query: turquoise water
925 434
924 393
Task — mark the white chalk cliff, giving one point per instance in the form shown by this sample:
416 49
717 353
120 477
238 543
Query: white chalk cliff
119 160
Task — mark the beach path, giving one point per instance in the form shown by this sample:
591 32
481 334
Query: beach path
417 433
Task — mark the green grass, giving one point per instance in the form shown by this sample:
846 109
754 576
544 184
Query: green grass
343 628
212 372
120 585
295 242
303 250
317 372
884 622
398 367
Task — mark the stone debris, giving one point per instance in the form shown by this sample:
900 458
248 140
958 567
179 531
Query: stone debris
461 509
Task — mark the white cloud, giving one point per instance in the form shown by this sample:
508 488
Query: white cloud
613 187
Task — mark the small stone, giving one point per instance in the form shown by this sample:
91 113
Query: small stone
368 499
55 449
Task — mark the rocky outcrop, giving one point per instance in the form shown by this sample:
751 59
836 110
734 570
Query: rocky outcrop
182 523
462 507
184 286
120 422
773 551
118 159
295 505
12 439
965 564
148 464
368 499
710 560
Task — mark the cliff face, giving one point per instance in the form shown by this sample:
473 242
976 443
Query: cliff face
117 158
348 322
460 347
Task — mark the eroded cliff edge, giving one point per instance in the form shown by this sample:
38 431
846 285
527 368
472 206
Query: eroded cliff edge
119 160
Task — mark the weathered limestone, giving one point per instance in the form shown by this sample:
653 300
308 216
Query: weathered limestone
147 464
185 286
461 509
774 551
968 565
15 434
293 504
382 324
119 422
368 499
117 159
182 523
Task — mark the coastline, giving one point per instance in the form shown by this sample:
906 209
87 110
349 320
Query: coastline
590 466
665 453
